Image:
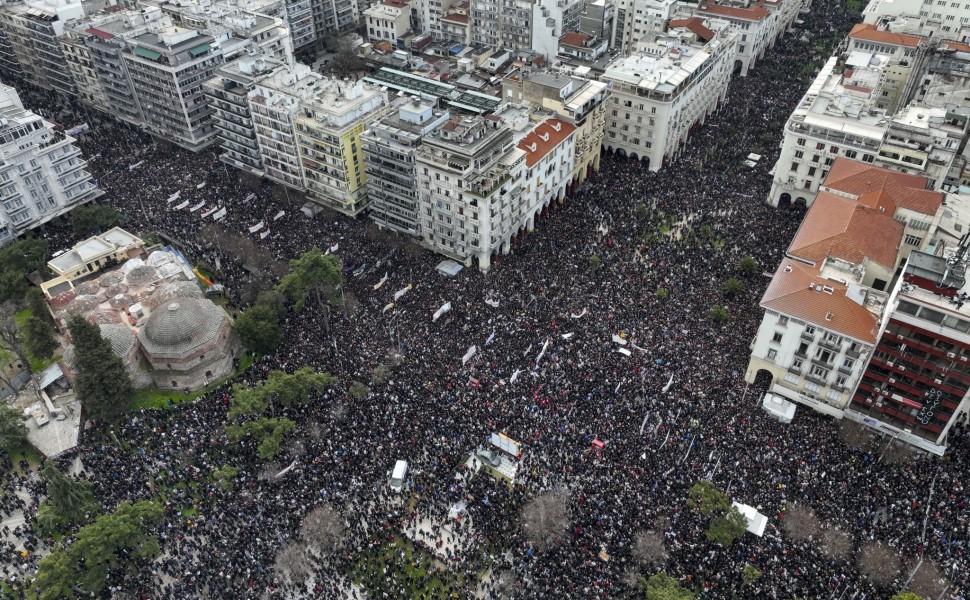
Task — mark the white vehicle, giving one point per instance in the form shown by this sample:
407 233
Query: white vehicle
400 471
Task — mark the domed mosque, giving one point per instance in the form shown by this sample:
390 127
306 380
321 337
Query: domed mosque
188 343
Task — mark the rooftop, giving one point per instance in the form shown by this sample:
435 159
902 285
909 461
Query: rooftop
881 188
843 101
662 64
695 25
800 291
541 140
575 38
870 33
94 247
754 12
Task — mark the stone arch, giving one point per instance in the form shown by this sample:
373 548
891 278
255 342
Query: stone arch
738 66
634 156
621 152
800 201
784 201
763 379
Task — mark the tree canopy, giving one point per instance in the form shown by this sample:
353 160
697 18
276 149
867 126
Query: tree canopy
706 498
13 432
110 544
308 275
664 587
17 260
268 433
259 329
91 219
284 389
102 384
69 501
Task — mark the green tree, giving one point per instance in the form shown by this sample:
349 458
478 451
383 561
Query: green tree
312 273
662 293
906 596
732 287
37 303
39 339
69 501
640 211
13 432
112 544
706 498
267 433
91 219
359 391
747 265
17 261
224 475
750 574
279 388
595 262
726 528
12 339
380 374
664 587
259 329
102 384
719 315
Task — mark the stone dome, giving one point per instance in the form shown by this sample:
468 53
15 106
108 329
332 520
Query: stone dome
180 326
121 337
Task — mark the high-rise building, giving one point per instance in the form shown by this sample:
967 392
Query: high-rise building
41 170
31 40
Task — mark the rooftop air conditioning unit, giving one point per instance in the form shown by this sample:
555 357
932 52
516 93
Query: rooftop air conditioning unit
891 380
902 368
951 355
938 381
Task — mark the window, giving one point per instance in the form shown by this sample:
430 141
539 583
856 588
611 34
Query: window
848 363
840 381
791 378
833 395
823 355
812 387
796 364
801 141
819 372
811 172
776 339
772 354
810 329
794 166
783 320
912 240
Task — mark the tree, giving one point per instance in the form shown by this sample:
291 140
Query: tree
879 563
102 384
664 587
836 544
291 563
70 501
37 303
380 374
11 337
113 543
906 596
800 522
224 475
719 315
747 265
595 262
17 261
726 528
640 211
279 388
709 500
345 60
13 432
926 579
662 293
268 433
750 573
359 391
259 329
323 530
308 275
648 548
545 519
39 339
732 287
90 219
855 435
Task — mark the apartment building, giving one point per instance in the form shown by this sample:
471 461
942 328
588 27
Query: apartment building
638 18
931 18
167 69
388 21
390 159
659 92
574 100
551 20
31 31
328 127
302 21
42 172
927 141
469 181
228 95
598 20
549 154
333 16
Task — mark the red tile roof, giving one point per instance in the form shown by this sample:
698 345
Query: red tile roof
755 12
797 290
575 38
101 34
553 130
843 228
868 32
956 46
695 25
456 18
881 188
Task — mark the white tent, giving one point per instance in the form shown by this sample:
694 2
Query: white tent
449 267
778 407
756 521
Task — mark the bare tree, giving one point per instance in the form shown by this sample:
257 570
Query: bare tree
545 519
879 563
323 530
269 471
897 452
632 578
648 548
801 523
855 435
503 583
927 581
11 339
291 562
836 544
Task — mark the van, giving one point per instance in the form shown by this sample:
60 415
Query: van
397 476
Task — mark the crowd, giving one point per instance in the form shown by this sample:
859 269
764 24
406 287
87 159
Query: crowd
681 230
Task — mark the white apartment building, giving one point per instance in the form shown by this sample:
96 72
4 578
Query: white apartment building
388 21
42 171
32 29
549 154
551 19
659 92
940 18
470 176
926 141
638 18
390 148
328 125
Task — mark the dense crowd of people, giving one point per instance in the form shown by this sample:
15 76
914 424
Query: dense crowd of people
546 373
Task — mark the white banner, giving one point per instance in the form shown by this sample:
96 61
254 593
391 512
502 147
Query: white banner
543 352
249 198
279 215
624 351
256 227
209 212
492 303
200 186
77 129
387 308
335 247
173 197
221 213
566 336
197 206
619 340
515 376
383 280
181 206
134 166
580 315
488 342
468 355
402 291
669 383
263 235
438 313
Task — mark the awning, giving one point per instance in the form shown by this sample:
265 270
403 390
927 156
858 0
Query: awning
200 49
146 53
50 375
